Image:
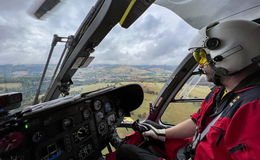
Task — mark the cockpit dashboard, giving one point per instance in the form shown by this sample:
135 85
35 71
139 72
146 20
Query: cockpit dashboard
70 128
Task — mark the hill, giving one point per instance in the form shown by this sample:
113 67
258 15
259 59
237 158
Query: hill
31 70
25 78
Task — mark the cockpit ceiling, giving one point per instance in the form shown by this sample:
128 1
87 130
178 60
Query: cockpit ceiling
199 13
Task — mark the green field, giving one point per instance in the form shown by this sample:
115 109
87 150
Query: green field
10 85
178 112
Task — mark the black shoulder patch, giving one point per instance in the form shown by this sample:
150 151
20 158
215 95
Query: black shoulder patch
243 98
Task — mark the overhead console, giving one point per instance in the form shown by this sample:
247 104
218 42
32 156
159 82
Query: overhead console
73 128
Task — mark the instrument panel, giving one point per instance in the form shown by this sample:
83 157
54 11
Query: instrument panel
68 128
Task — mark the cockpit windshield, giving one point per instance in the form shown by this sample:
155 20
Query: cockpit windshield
145 53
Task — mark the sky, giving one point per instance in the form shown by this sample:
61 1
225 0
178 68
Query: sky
158 37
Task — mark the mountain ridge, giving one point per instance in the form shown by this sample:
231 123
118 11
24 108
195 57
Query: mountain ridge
31 70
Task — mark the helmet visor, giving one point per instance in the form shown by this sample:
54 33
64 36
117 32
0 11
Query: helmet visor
199 55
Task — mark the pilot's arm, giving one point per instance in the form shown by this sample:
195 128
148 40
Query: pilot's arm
184 129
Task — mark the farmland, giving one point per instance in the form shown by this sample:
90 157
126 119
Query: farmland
25 79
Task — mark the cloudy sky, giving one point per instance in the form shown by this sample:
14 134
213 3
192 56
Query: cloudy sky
157 37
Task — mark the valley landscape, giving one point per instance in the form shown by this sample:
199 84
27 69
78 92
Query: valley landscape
25 79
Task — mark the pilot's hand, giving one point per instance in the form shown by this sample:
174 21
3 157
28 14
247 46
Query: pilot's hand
154 132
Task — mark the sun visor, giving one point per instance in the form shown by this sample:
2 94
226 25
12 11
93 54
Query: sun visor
131 96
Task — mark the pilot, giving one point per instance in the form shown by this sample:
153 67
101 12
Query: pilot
226 126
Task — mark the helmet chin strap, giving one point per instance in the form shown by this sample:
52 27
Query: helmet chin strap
217 79
218 74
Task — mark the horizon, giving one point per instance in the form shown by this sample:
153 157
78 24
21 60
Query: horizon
99 64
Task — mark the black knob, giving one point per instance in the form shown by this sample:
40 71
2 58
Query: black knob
37 136
218 58
67 123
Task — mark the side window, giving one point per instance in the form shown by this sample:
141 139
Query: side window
187 101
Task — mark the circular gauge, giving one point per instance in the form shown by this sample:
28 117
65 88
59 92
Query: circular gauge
111 119
120 113
97 105
84 151
67 123
82 133
99 116
102 128
86 114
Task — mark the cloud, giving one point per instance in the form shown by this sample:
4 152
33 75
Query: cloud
26 40
157 37
153 39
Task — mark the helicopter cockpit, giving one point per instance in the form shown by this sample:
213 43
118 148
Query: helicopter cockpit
81 126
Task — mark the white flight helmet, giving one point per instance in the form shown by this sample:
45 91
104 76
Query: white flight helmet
230 46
